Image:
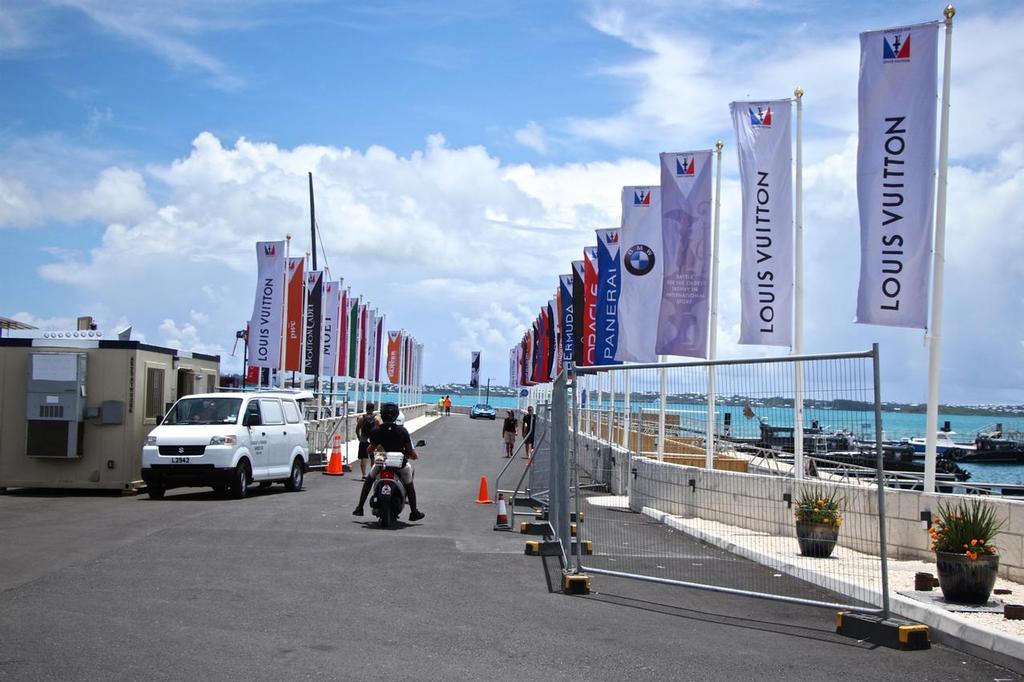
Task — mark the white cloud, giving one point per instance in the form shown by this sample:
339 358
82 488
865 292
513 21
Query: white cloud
532 135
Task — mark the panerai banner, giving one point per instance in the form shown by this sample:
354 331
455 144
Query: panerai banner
686 232
896 173
642 268
766 180
609 268
265 327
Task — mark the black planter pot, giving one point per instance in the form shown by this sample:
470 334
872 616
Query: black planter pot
816 539
964 581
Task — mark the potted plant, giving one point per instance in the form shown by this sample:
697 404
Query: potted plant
965 554
818 517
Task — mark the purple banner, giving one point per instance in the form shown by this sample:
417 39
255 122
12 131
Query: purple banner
686 236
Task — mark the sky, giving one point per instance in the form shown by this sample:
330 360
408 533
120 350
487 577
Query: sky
462 154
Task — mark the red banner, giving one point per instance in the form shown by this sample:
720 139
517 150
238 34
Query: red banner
293 330
589 304
394 355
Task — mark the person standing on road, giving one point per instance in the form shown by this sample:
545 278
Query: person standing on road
440 405
528 423
508 433
447 406
366 423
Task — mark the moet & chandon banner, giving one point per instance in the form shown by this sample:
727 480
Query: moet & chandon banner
896 173
329 327
763 141
609 268
642 270
314 316
265 326
686 233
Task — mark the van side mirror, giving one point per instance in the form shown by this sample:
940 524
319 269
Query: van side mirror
251 419
420 443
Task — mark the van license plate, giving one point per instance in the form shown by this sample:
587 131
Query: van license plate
179 460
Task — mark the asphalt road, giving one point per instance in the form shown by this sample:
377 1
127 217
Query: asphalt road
291 586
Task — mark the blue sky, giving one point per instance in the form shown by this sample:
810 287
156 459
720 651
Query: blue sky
464 152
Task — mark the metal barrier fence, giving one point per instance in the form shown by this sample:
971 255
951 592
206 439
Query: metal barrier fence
671 495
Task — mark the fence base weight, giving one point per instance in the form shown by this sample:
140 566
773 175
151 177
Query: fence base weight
576 584
552 548
883 632
527 528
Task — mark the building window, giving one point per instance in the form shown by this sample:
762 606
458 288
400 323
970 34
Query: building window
154 392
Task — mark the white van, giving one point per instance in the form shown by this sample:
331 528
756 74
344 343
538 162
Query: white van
227 441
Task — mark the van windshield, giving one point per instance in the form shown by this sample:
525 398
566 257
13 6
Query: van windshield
205 411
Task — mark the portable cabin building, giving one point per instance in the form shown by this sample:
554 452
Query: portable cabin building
75 408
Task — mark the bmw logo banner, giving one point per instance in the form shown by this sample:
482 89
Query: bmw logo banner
640 245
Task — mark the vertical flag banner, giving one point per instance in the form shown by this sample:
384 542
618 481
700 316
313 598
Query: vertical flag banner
380 348
353 338
394 351
642 270
589 304
329 327
474 369
609 268
342 364
549 313
896 173
293 328
578 305
686 235
268 306
361 355
763 140
568 319
314 316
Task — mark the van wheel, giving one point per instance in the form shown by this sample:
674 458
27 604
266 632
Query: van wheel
240 484
294 482
156 491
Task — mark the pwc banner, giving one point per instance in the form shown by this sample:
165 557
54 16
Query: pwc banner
686 236
314 316
766 182
329 327
265 326
394 356
296 311
589 304
568 326
642 268
609 268
896 173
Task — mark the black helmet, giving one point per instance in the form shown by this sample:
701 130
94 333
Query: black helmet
389 412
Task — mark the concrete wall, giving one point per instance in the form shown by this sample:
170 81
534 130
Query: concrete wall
757 502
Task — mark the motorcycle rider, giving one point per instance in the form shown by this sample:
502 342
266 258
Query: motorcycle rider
391 437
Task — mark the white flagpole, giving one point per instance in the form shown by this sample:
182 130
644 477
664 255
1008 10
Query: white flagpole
284 318
709 438
935 329
798 294
626 395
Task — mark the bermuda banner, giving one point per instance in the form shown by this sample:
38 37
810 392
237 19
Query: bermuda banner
686 237
642 268
766 255
578 307
265 326
609 270
896 173
589 304
565 297
474 369
379 336
314 316
329 327
394 351
296 308
353 338
342 363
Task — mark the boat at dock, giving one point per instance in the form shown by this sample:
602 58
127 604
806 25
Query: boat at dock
990 450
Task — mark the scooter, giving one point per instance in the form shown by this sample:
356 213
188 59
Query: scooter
388 497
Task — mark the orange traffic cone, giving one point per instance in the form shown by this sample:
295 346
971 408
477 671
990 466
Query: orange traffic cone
502 521
484 497
335 467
